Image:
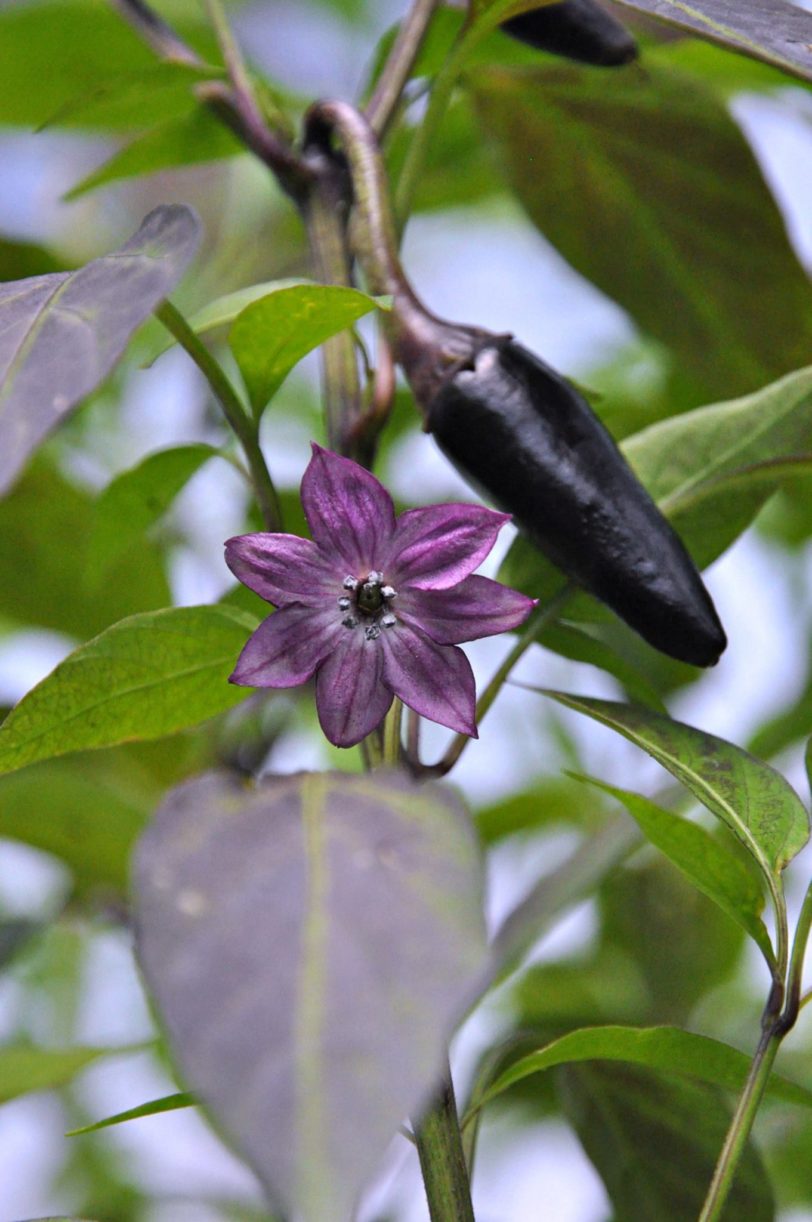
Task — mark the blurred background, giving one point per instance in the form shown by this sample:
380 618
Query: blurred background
645 948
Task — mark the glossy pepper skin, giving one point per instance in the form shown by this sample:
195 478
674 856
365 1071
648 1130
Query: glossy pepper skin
531 442
578 29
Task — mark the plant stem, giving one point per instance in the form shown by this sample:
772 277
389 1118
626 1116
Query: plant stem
741 1124
796 964
442 1160
325 215
534 626
382 106
235 413
391 734
155 31
775 1027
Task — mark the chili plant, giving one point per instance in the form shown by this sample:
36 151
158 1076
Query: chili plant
310 940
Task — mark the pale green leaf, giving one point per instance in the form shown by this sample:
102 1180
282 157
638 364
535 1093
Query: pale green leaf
169 1103
145 677
669 1049
135 500
272 335
724 877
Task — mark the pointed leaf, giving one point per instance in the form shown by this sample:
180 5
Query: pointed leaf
169 1103
224 310
655 1140
712 469
622 176
272 335
754 800
45 528
726 878
60 335
189 140
309 944
135 500
24 1068
669 1049
147 676
774 31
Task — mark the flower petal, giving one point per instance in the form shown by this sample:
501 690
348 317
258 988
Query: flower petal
283 568
350 514
434 680
351 697
287 647
437 546
475 608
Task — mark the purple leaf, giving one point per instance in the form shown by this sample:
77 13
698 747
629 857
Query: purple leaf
60 335
309 945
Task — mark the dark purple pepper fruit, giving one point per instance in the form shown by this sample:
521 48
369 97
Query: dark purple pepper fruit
531 442
578 29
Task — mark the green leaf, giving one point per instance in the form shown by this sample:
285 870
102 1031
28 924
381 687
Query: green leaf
749 796
224 310
712 469
655 1140
669 1049
15 934
133 101
309 944
189 140
620 171
272 335
579 645
771 30
725 877
50 52
135 500
45 527
145 677
60 335
169 1103
24 1068
681 946
86 813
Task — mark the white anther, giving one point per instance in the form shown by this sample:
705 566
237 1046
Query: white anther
374 577
389 620
350 621
350 583
344 604
388 593
372 632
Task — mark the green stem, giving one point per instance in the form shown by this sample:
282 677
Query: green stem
534 626
442 1160
391 734
382 106
775 1027
741 1124
324 214
439 99
235 413
796 964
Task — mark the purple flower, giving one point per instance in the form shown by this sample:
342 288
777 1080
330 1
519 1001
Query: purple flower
374 605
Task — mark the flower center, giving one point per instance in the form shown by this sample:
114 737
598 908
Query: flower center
367 604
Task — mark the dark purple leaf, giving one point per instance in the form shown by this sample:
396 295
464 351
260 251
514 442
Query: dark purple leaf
772 30
61 334
310 944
